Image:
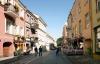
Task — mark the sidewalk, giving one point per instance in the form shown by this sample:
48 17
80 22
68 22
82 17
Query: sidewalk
97 58
22 59
5 58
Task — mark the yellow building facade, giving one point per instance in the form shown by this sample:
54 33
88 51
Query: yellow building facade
95 11
81 23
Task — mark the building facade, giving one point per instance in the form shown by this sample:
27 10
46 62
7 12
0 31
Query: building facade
80 24
43 38
31 25
17 26
50 42
19 37
95 11
65 33
65 36
9 15
20 29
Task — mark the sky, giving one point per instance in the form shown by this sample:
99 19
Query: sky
53 12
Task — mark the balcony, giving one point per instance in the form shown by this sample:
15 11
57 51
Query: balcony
11 10
34 25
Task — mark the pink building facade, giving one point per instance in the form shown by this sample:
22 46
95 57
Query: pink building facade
17 28
12 24
5 38
1 30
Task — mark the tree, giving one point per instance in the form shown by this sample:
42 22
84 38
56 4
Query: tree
59 41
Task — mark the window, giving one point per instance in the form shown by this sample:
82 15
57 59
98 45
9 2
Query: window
87 19
80 27
98 5
9 1
79 9
33 31
21 14
86 1
98 39
21 31
27 32
9 25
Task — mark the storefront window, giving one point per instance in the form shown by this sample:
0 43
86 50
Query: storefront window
98 39
98 5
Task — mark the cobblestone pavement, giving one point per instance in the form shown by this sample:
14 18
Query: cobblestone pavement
26 59
81 59
51 58
47 58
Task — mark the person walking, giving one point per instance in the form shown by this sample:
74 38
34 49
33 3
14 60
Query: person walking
36 51
40 51
57 51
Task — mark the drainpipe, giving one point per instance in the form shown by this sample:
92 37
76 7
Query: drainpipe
91 19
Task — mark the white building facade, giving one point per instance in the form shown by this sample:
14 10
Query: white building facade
44 39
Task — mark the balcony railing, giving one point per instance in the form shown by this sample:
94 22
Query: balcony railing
11 10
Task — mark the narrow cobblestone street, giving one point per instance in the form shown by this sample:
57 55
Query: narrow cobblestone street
47 58
49 31
51 58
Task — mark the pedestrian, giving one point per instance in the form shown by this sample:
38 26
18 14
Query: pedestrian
57 51
40 51
36 51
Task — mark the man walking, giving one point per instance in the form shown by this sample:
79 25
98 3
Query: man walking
40 51
57 51
36 51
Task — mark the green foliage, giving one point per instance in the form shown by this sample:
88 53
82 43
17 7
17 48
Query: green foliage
89 51
59 41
